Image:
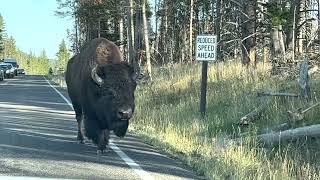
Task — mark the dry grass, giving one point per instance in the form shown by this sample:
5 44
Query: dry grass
167 115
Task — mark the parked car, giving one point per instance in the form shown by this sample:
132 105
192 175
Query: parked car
14 64
4 68
1 74
8 69
21 71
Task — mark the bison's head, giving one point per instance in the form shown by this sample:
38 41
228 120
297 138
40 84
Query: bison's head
112 89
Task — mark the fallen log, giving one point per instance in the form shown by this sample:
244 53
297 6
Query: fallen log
298 115
295 116
255 114
277 128
252 116
277 94
302 132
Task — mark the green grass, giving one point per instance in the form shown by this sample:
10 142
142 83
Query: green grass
167 116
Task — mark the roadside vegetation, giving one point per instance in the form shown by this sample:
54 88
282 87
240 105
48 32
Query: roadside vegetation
167 116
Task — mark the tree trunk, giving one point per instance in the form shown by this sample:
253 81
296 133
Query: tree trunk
217 28
161 38
289 31
294 33
131 55
318 25
165 37
77 36
146 39
156 40
184 43
191 30
99 27
281 42
138 34
131 23
302 30
121 35
121 30
248 33
276 49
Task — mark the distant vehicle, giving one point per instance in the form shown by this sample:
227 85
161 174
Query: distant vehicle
14 64
8 69
1 74
4 68
21 71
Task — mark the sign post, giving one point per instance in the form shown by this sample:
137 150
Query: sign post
206 51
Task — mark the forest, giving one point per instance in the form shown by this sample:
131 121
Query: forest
249 31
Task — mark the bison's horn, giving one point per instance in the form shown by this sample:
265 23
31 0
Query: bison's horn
95 77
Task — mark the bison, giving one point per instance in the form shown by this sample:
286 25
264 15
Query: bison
101 87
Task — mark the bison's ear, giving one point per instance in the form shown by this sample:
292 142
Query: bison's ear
132 72
134 76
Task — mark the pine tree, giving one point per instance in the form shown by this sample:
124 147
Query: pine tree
1 35
63 55
10 48
43 63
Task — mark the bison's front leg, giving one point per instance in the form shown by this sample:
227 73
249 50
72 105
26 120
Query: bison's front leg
103 141
80 118
100 137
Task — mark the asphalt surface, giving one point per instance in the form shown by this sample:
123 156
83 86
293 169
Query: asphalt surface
38 140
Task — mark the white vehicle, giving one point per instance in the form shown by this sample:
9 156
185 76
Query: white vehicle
21 71
14 64
8 68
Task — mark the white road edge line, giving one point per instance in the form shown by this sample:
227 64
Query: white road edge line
5 83
136 167
61 95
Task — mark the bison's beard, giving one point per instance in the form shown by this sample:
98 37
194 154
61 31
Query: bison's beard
107 118
104 112
120 128
109 121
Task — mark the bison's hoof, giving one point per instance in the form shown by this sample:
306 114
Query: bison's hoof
80 141
103 151
118 139
100 152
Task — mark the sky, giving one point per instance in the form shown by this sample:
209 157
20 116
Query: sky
34 26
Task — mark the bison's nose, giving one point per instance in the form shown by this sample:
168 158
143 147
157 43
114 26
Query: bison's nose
125 114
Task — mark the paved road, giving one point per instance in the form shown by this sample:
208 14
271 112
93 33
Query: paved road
37 139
